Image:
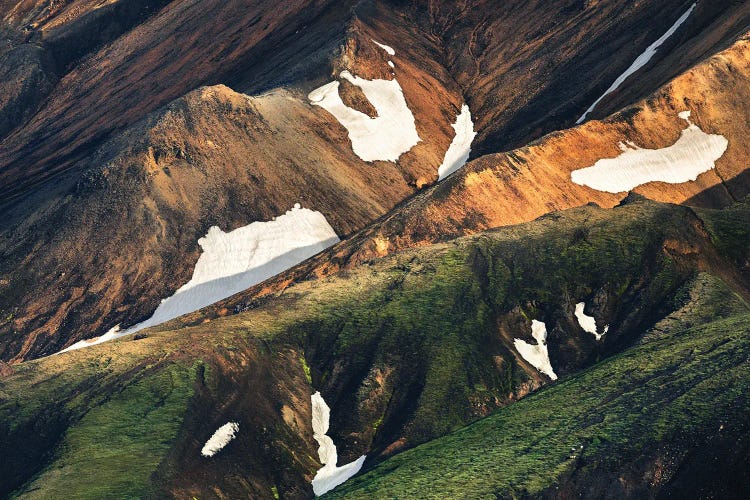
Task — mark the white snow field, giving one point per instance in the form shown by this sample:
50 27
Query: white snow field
234 261
387 48
385 137
458 151
536 355
588 323
329 476
220 439
640 61
694 152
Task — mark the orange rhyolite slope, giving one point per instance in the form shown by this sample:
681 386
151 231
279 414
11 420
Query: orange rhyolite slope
125 141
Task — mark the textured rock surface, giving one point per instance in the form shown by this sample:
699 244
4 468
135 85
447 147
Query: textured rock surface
119 163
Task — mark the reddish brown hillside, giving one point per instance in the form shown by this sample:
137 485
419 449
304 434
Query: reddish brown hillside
115 160
521 185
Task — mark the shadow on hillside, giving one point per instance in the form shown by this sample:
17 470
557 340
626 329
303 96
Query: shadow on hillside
734 189
208 293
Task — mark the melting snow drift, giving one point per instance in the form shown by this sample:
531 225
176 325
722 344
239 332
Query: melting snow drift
234 261
588 323
694 152
111 334
536 355
458 151
329 476
388 49
386 137
220 439
640 61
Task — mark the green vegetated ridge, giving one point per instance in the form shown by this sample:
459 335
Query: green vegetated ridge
406 348
432 314
128 420
74 422
681 390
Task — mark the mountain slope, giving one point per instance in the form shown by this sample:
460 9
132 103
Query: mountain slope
212 157
518 186
117 155
669 418
529 68
244 254
215 157
404 350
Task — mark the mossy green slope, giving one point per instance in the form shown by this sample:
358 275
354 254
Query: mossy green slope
404 349
128 420
672 391
432 315
113 450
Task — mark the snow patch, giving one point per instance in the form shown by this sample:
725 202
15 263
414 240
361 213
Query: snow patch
385 137
694 153
536 355
329 476
220 439
390 63
640 61
234 261
458 151
111 334
588 323
388 49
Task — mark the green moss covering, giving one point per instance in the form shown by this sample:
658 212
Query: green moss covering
677 385
435 310
729 229
112 451
306 368
428 321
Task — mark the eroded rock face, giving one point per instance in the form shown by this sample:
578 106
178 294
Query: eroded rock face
118 197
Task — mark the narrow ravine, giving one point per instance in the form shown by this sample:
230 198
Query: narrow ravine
329 476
